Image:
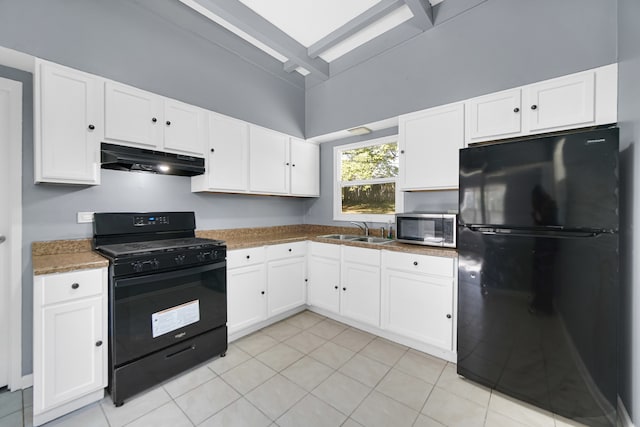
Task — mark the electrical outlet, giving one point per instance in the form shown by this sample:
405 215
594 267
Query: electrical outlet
84 217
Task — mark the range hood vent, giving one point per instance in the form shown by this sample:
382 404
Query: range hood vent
119 157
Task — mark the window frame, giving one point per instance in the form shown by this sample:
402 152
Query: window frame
337 184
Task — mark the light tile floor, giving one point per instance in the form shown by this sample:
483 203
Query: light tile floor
306 371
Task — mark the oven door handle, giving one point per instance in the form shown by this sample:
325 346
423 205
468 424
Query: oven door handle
137 280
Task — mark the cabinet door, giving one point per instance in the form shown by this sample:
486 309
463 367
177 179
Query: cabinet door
133 117
305 168
494 116
561 103
285 285
360 288
228 157
429 142
324 283
246 303
69 125
418 306
268 161
185 128
71 357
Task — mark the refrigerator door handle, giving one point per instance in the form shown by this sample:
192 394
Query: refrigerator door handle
546 234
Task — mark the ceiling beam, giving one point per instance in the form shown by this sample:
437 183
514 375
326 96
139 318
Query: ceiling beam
422 13
361 21
245 19
290 66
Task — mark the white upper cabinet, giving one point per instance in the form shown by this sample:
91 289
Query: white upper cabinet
244 158
268 161
142 119
566 101
582 99
228 158
498 115
305 168
68 125
185 128
133 116
429 141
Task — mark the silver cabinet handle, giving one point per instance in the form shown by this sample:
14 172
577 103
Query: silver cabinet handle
2 239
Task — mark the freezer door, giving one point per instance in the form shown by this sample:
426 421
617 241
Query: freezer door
537 320
564 182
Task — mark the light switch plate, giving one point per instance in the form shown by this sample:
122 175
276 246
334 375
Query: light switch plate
84 217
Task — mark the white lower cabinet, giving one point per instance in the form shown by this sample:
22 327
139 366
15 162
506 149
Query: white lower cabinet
345 280
286 274
418 297
246 288
360 285
70 342
401 296
323 290
264 282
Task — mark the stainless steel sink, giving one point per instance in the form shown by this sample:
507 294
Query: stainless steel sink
355 238
340 236
374 240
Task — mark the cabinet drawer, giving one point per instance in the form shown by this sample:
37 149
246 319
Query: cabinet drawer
242 257
436 266
68 286
286 250
325 250
361 255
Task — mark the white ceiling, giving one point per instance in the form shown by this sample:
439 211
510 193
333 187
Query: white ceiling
308 22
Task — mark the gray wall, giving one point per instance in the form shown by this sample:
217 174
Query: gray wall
629 121
320 210
49 212
496 45
120 40
124 41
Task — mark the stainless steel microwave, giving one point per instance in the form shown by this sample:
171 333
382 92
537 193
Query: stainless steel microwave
427 229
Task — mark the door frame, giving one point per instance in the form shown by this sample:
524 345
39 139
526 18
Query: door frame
15 233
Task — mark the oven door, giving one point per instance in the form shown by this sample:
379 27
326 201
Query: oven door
154 311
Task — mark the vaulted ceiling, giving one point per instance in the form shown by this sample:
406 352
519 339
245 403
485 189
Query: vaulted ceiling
319 39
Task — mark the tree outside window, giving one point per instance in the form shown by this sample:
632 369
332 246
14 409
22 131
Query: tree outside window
366 180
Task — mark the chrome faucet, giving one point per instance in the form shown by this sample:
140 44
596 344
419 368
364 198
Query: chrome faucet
362 226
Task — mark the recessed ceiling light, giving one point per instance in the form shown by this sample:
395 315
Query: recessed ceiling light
163 168
360 130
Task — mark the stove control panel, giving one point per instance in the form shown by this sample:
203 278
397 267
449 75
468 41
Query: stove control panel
143 220
146 265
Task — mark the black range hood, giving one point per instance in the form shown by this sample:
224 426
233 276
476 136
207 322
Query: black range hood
133 159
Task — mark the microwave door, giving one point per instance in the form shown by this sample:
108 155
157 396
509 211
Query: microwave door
434 240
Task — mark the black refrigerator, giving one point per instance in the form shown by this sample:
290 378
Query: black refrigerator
538 271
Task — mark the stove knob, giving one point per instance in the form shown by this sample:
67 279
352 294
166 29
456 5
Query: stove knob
155 264
137 266
200 256
179 259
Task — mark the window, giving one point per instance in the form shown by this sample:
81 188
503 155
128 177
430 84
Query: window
365 181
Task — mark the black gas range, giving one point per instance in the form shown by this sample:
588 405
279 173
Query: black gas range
167 297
